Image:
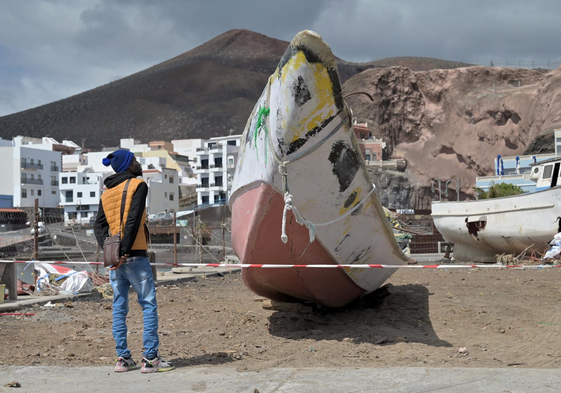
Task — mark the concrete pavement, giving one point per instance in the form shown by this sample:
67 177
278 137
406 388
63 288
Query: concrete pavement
226 379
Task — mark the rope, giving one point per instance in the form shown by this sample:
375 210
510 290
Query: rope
288 198
200 244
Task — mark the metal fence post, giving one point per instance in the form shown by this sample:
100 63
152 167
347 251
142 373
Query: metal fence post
174 239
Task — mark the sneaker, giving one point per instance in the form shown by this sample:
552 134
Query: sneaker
155 365
124 364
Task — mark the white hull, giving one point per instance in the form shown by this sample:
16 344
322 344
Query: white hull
512 224
309 128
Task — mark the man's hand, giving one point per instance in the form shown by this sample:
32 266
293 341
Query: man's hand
121 261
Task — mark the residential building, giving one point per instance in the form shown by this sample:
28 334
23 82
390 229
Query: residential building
163 190
372 149
188 147
216 162
79 195
71 162
30 168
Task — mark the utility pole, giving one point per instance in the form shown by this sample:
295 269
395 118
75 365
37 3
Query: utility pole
223 240
174 239
36 231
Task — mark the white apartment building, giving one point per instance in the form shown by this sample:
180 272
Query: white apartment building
163 190
79 194
188 147
216 162
30 170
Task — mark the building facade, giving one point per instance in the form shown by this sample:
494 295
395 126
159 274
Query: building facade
163 190
215 165
79 195
30 169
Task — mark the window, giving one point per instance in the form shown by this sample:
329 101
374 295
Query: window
78 194
39 192
165 176
23 193
53 192
64 180
32 192
92 194
231 143
73 180
69 195
547 171
171 197
38 162
165 194
171 179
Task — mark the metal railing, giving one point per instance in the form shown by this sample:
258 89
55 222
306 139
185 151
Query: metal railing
54 169
27 165
31 181
54 183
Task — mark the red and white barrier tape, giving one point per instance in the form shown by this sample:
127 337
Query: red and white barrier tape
278 266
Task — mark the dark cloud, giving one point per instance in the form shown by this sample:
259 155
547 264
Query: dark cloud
50 49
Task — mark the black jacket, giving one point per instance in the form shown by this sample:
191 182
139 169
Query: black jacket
138 204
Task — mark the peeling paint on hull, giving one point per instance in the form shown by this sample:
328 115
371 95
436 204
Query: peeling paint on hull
307 127
256 230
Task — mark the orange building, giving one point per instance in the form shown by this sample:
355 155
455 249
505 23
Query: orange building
370 147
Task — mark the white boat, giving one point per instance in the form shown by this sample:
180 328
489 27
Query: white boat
301 193
484 228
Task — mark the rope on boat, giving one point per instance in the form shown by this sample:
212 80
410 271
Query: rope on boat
288 198
318 266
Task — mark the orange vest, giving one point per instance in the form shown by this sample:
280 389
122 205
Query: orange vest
111 201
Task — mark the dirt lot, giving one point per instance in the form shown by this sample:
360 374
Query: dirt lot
501 317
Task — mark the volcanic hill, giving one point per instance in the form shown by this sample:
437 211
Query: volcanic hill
204 92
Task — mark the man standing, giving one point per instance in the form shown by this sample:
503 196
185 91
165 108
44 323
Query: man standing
133 267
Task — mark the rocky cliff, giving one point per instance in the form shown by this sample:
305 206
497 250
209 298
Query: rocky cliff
453 123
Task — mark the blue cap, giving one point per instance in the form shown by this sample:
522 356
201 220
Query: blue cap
120 160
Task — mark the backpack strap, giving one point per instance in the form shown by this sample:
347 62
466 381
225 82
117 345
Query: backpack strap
123 202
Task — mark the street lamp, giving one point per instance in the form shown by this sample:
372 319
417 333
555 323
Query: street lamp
439 189
457 181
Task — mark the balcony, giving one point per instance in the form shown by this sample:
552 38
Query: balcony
27 165
32 181
218 146
54 183
54 169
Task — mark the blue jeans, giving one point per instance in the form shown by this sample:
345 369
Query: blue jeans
137 273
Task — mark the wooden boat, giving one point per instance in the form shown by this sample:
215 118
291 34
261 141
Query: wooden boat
301 193
484 228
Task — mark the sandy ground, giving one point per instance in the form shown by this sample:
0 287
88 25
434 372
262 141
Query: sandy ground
503 318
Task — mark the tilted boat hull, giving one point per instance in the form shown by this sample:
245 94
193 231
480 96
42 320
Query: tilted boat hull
256 236
299 141
512 224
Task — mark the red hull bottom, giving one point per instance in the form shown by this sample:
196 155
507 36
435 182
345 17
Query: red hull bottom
256 238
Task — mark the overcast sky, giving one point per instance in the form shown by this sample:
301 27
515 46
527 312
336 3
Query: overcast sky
52 49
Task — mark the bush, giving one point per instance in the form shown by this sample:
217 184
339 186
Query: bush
499 190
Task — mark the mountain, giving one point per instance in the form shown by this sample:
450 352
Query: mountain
202 93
